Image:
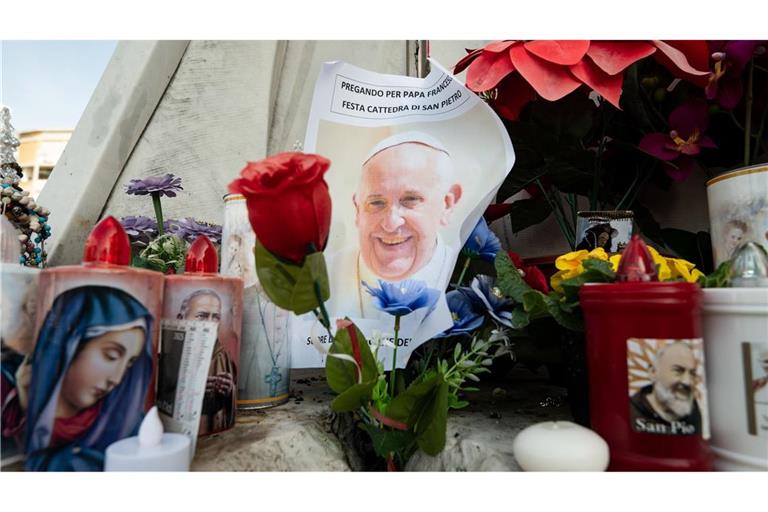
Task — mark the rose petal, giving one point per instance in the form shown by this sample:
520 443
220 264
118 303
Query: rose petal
513 93
496 211
685 166
678 59
615 56
696 52
488 70
656 144
551 81
691 115
607 86
559 52
466 61
499 46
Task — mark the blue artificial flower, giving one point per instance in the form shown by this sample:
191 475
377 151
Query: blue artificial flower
467 312
495 302
166 185
482 243
403 298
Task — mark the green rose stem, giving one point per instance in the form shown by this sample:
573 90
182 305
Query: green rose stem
394 359
748 118
158 213
463 271
321 315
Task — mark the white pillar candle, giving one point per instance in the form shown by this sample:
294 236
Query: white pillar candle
560 446
151 450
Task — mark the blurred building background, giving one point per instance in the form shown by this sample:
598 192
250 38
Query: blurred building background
38 153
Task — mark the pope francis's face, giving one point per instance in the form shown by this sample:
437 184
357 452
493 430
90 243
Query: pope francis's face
403 199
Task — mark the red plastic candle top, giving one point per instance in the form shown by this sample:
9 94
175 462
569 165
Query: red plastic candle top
636 264
108 243
202 257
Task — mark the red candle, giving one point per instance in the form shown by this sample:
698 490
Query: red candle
646 369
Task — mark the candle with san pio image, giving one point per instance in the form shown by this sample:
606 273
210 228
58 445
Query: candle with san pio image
202 295
645 359
265 352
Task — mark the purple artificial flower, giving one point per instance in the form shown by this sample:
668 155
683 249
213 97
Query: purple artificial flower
166 185
687 123
189 229
482 243
140 230
403 298
731 59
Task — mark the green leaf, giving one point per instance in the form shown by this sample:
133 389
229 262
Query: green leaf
354 397
291 286
508 279
518 179
432 424
565 314
389 441
403 405
342 374
528 212
718 278
600 267
519 318
534 303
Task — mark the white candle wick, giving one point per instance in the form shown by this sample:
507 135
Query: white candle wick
151 429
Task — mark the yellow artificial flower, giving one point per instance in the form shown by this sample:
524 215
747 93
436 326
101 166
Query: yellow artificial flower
571 265
684 269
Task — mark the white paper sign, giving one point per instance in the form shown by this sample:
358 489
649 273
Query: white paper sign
414 164
186 351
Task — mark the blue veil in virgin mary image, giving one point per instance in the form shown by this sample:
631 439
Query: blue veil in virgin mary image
78 315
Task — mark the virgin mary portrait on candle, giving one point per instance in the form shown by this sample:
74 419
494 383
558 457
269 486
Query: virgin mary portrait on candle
90 373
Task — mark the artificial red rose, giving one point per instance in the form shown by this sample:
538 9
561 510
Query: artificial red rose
289 206
532 275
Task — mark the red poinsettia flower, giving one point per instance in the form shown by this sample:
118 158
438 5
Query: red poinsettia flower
521 70
532 275
730 59
687 123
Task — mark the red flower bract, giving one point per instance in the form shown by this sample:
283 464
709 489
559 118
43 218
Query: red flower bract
289 206
519 70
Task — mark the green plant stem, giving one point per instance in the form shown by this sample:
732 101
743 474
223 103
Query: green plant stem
392 379
560 221
573 201
323 316
463 271
558 200
760 131
748 115
593 205
635 181
158 213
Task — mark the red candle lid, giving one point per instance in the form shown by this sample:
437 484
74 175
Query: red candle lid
202 257
636 264
108 243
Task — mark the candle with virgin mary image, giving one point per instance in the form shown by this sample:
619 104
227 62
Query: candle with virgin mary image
608 230
89 377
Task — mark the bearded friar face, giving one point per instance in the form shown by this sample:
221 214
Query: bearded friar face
675 375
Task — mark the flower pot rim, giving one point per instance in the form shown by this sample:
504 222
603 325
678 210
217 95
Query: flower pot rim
739 171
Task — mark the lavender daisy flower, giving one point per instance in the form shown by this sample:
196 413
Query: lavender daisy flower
158 186
189 229
141 230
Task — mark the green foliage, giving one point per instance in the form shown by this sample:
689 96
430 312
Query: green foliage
717 279
163 253
291 286
342 373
